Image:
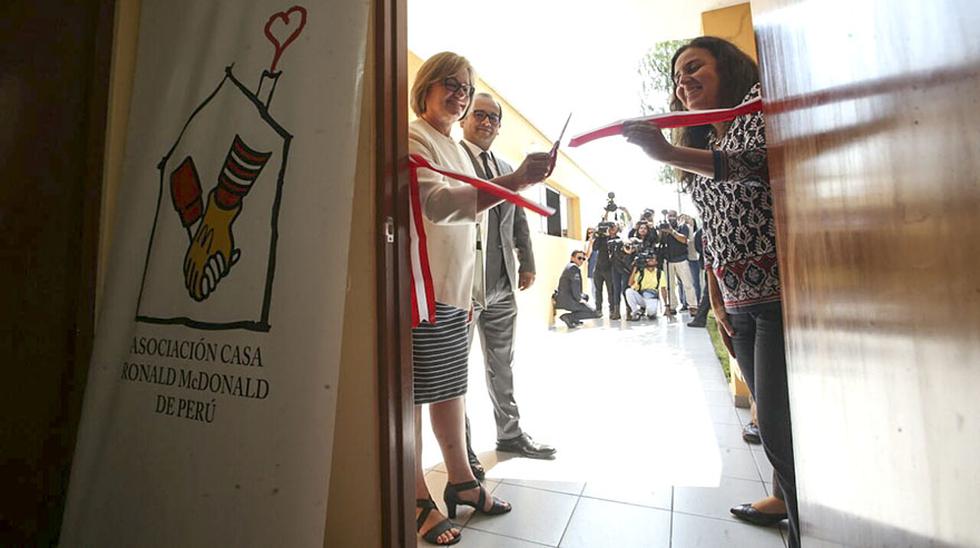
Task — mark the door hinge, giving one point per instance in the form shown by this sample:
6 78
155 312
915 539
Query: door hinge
389 230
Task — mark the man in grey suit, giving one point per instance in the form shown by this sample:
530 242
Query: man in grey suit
494 306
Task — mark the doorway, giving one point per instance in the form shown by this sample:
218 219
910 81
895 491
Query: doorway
393 48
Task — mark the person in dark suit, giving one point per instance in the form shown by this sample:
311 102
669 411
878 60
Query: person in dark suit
569 295
494 305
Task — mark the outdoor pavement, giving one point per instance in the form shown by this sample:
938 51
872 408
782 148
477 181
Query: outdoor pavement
649 443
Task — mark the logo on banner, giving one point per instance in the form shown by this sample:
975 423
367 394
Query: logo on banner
211 256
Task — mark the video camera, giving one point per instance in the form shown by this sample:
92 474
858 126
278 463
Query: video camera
644 254
611 206
666 224
602 229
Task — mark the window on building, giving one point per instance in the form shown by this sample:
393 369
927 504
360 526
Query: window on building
557 224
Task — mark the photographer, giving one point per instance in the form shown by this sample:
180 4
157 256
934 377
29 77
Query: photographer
647 218
603 276
673 238
648 238
641 295
622 254
569 294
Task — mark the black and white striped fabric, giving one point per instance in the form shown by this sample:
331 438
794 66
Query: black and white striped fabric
439 356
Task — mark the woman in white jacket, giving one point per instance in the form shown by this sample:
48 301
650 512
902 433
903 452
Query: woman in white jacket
451 210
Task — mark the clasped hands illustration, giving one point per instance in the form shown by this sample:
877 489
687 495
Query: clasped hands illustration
212 252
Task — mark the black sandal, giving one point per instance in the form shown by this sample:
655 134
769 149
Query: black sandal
452 499
432 535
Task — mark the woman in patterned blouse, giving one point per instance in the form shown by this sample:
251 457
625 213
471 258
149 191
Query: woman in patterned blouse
724 168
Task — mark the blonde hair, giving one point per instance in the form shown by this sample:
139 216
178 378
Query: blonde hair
434 70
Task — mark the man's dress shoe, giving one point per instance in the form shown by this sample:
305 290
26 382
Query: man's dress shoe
567 318
526 447
747 513
477 467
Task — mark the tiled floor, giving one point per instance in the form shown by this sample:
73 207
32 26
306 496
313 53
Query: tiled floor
649 444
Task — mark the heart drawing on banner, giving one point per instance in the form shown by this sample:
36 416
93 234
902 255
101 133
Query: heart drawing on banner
284 24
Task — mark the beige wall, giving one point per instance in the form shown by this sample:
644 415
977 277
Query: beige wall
124 44
354 501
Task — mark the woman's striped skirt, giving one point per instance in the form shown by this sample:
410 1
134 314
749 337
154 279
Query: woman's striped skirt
439 356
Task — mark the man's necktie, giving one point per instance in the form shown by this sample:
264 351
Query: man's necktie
486 165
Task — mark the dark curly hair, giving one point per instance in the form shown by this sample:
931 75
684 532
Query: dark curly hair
737 73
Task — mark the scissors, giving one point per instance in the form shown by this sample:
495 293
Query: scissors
554 148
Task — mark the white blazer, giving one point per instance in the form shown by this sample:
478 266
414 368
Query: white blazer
449 213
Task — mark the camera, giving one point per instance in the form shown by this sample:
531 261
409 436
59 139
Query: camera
602 229
641 258
611 206
667 223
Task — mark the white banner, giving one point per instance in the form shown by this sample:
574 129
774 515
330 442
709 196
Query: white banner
209 411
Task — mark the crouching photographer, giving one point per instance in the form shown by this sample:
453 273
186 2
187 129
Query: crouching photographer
673 239
569 294
644 283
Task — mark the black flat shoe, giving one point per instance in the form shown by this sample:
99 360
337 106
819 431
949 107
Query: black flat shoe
750 433
746 512
452 499
432 535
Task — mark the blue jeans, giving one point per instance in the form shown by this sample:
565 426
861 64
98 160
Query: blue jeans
760 350
620 282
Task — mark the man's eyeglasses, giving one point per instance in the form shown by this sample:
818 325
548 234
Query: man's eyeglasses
580 258
482 115
455 87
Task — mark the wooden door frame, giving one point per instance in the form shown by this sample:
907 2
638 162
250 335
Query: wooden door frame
395 394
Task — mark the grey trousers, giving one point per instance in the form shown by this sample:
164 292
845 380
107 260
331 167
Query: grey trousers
497 324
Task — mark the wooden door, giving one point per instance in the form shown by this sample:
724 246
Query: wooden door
55 59
874 139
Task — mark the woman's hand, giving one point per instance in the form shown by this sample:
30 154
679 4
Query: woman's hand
650 138
722 317
726 330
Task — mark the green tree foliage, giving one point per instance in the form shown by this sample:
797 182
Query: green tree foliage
657 84
656 74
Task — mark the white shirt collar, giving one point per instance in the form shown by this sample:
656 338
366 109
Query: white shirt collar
476 151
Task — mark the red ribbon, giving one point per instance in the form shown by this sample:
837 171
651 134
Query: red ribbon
673 119
423 290
415 162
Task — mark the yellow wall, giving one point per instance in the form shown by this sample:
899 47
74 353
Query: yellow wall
734 24
551 253
518 137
